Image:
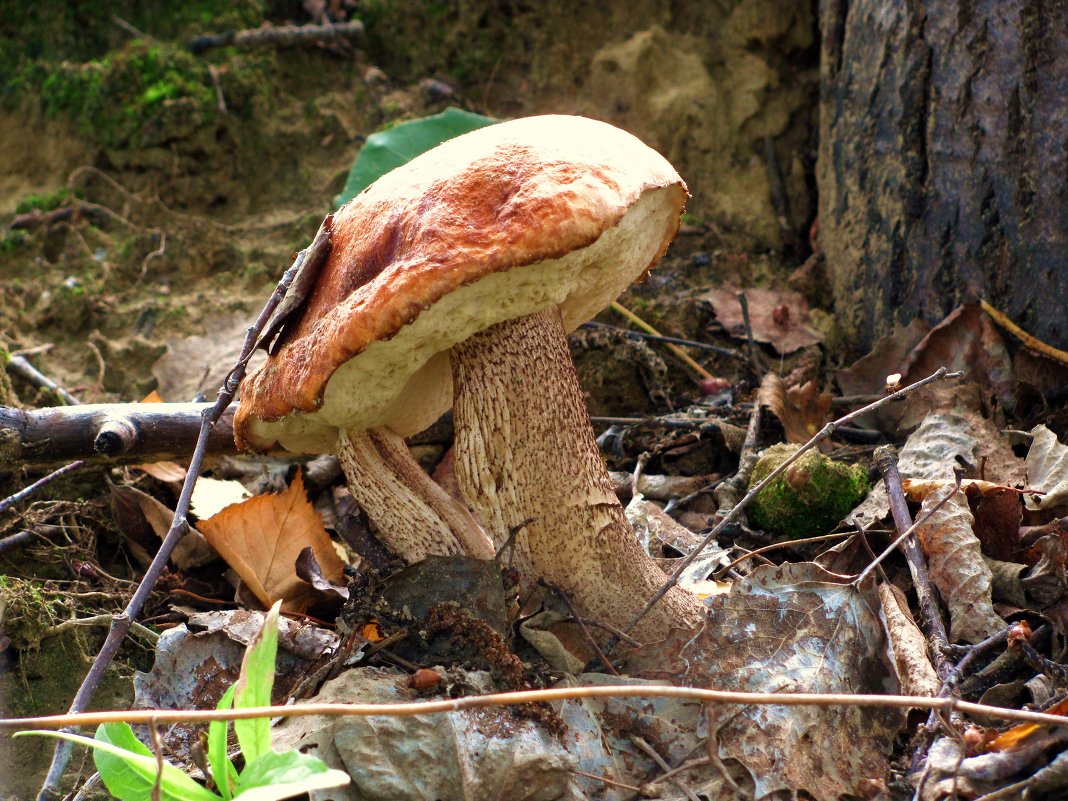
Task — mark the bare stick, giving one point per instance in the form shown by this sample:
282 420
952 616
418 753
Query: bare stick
825 432
23 369
730 353
598 653
754 354
137 716
25 492
886 461
179 526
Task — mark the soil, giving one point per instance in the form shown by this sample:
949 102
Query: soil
197 177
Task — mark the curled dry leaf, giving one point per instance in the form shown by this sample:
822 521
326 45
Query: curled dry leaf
790 628
956 567
261 539
1047 468
914 670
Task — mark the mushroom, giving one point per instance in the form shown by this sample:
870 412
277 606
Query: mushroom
453 280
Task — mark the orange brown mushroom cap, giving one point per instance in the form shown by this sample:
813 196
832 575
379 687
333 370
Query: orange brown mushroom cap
465 236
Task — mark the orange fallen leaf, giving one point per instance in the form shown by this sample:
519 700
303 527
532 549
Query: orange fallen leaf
1017 734
917 489
261 538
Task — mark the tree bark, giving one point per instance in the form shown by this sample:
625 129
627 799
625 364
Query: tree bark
942 168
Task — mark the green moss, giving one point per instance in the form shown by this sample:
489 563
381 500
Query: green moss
45 202
12 241
142 94
810 498
81 31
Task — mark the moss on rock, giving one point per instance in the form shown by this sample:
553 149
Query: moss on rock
810 498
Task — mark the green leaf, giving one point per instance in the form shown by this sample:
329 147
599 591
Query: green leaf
274 776
253 688
222 769
388 149
130 773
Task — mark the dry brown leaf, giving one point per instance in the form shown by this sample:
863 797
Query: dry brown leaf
138 512
789 628
261 539
779 317
956 567
803 410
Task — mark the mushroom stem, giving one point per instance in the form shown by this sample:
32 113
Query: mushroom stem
414 516
525 449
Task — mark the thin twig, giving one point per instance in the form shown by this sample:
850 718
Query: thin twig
21 367
598 653
778 545
754 355
940 374
25 492
886 461
179 526
679 352
606 780
98 620
139 716
664 766
730 353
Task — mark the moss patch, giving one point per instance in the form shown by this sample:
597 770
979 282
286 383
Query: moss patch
810 498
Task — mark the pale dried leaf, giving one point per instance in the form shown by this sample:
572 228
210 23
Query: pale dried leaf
168 472
956 567
212 495
1047 469
914 670
943 442
791 628
261 539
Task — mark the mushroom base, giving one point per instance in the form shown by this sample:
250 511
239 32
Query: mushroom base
414 516
525 450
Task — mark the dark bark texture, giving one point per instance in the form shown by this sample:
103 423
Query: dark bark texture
942 167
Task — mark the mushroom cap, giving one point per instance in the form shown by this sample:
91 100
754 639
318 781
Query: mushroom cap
501 222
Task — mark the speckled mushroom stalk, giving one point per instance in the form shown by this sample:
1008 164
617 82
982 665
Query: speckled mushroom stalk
414 516
525 450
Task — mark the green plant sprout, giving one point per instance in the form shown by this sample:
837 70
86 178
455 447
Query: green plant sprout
131 772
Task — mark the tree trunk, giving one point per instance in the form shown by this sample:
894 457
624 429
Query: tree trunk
942 168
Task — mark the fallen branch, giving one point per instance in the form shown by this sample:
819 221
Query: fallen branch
35 218
116 433
282 35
